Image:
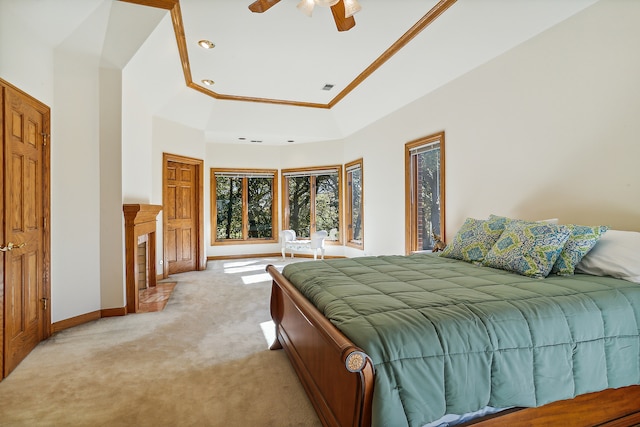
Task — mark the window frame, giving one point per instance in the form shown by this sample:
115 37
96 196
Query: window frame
245 173
349 168
411 188
311 171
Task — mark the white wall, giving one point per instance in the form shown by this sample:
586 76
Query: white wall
65 74
33 73
112 254
548 129
75 187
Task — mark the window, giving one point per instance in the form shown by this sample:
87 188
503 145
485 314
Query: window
424 174
312 201
355 218
243 206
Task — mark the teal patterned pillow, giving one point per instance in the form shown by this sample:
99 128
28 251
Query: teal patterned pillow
474 239
528 248
582 239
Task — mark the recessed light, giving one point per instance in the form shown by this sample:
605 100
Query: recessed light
208 82
206 44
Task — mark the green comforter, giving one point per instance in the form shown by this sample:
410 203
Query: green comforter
449 337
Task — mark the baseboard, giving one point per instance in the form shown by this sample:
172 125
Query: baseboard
86 318
113 312
223 257
275 254
75 321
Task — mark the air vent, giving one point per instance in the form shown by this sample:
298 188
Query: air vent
327 86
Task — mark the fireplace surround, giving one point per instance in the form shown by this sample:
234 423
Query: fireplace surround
139 226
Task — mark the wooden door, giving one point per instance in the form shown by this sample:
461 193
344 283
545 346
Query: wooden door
181 215
27 319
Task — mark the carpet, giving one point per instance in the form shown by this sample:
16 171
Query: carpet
202 361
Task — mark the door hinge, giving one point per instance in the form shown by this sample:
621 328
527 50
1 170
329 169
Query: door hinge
45 136
44 303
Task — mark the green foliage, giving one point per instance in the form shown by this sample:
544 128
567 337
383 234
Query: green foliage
327 203
300 205
326 207
428 179
259 209
356 201
229 207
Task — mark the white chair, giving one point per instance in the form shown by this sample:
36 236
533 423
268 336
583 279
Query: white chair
317 243
287 237
289 242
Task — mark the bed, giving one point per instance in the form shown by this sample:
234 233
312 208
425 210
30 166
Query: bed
589 368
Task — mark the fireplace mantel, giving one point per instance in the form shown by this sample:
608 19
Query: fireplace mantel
139 220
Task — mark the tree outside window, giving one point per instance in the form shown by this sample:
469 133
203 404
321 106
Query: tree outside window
243 205
424 160
312 201
355 222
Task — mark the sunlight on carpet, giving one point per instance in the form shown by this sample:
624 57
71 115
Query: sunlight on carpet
269 331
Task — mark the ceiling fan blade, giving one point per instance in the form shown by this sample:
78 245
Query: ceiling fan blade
342 23
260 6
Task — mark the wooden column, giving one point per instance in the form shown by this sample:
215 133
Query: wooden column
139 220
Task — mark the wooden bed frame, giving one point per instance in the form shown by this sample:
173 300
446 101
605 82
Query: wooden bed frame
339 377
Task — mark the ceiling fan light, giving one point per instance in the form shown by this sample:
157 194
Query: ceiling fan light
306 7
351 7
325 3
206 44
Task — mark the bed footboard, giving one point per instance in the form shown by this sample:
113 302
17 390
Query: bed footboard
337 375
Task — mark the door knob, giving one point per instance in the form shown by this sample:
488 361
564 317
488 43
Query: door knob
11 246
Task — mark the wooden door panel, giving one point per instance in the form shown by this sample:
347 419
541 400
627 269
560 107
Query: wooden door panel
32 299
171 252
180 207
186 209
32 133
24 329
15 316
186 254
24 270
170 208
16 197
30 197
186 174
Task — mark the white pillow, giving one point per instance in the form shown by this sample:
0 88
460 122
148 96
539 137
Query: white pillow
616 254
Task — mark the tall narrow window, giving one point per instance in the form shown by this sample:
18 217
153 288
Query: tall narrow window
355 218
243 205
312 201
424 164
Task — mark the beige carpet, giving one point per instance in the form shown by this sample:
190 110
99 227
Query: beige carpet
202 361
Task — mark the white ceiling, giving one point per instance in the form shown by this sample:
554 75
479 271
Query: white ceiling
282 54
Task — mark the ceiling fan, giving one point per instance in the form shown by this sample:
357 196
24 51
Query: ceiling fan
342 10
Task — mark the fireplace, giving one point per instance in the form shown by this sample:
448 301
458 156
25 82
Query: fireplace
141 259
140 250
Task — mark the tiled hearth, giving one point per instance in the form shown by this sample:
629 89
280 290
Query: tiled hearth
155 298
